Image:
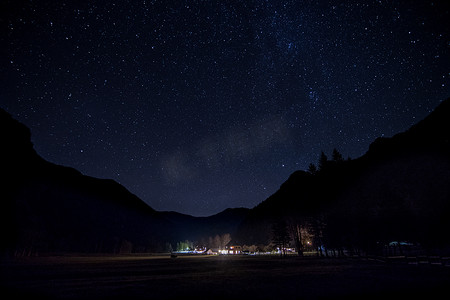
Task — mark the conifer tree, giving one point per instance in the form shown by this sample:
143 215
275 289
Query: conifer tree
312 169
280 235
323 160
337 156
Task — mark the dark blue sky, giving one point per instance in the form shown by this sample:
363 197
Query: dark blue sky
197 106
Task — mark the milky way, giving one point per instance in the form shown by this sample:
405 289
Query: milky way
196 106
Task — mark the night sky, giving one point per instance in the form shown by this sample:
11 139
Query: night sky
197 106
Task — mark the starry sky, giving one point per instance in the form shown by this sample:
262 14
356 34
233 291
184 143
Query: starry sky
197 106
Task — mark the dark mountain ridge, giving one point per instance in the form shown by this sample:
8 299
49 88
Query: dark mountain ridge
197 228
56 208
52 208
398 190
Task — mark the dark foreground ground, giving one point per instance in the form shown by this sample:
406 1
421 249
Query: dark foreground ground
218 277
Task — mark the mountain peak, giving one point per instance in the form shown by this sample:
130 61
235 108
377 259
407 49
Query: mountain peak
429 133
15 139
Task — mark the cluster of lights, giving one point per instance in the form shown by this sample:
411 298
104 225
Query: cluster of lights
235 250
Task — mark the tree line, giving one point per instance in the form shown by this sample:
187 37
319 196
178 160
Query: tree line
211 242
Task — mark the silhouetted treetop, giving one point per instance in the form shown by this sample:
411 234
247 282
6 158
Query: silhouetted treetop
323 160
312 169
336 156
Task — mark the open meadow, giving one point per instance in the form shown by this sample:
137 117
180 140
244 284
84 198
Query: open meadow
221 277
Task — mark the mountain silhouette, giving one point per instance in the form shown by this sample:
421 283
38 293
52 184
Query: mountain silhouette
47 208
55 208
398 190
187 227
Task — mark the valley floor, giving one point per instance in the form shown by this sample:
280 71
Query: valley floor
217 277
